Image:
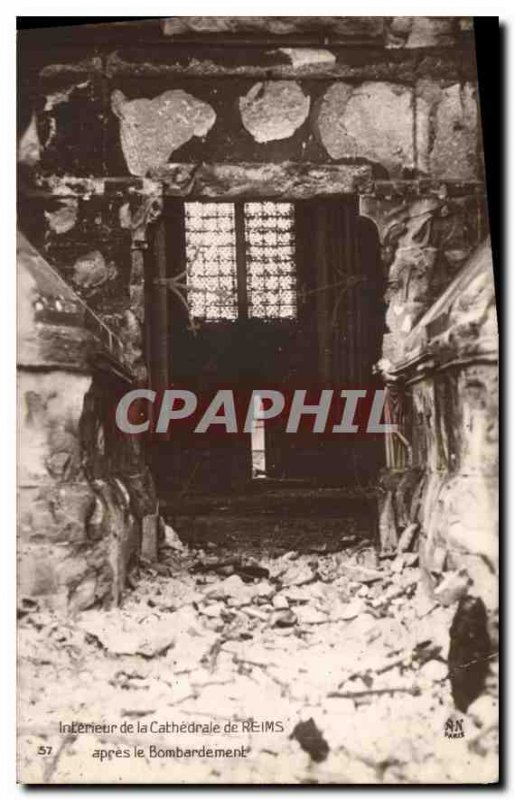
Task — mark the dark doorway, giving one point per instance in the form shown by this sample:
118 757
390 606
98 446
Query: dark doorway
254 294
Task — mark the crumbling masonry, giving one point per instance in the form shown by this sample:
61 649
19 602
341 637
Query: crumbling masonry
115 121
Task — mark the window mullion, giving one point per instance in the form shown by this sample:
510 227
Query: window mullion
241 260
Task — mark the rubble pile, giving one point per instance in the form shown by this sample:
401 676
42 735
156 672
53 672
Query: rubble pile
339 661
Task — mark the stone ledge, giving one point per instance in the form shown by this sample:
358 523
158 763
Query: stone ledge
335 62
184 179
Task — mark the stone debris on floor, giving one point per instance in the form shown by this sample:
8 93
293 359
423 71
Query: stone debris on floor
332 669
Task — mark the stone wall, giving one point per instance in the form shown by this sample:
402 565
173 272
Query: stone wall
117 117
449 377
289 107
84 493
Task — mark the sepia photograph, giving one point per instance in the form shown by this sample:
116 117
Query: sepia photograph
257 375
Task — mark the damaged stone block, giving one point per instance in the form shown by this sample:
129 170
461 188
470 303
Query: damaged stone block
447 131
63 218
373 121
90 271
416 32
288 180
301 57
453 587
274 110
407 538
346 28
151 130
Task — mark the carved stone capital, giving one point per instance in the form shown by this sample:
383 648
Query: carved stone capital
424 241
402 222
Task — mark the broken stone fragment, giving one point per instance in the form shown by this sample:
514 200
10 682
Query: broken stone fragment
485 711
232 589
90 270
367 557
297 575
407 538
274 110
256 613
151 130
349 610
213 610
172 539
232 586
263 589
63 219
364 575
284 619
453 587
307 615
123 635
280 602
306 56
433 670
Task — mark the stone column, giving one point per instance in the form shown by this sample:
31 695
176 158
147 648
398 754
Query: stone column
144 210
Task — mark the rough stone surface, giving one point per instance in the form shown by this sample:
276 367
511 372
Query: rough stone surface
452 587
151 130
362 697
447 131
50 407
454 438
346 27
307 57
90 271
425 241
372 121
413 32
274 110
76 537
292 63
288 180
29 147
63 219
49 313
